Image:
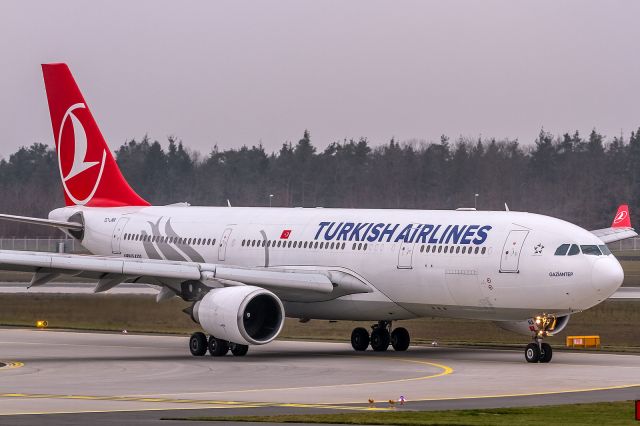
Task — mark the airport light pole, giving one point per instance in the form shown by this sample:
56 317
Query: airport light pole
475 201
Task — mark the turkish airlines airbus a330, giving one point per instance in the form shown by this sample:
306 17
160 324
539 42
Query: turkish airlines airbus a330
247 268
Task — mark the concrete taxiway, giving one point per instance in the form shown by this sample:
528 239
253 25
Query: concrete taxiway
45 372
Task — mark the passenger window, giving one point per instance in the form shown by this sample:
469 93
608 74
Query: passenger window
484 250
573 250
562 250
605 250
591 250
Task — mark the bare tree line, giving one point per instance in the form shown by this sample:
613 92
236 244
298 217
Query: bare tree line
578 178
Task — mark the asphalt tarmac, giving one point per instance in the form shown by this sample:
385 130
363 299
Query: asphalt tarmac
57 377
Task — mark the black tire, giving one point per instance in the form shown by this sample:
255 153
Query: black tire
532 353
400 339
218 347
198 344
547 353
360 339
380 339
238 349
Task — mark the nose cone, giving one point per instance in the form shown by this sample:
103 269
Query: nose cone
607 275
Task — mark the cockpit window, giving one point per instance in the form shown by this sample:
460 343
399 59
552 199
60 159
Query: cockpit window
562 250
573 250
605 250
591 250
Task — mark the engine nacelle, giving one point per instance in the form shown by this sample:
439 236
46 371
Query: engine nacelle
531 326
245 314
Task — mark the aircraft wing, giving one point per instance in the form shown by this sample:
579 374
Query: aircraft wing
610 235
290 284
620 228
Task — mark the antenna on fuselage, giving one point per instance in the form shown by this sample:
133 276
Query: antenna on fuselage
228 203
506 207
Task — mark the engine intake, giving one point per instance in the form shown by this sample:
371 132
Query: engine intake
244 314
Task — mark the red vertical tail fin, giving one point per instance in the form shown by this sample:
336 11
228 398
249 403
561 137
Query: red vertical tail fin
622 219
90 175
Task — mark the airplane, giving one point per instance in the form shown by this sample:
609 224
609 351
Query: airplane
244 269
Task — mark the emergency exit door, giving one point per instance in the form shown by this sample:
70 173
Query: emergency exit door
511 250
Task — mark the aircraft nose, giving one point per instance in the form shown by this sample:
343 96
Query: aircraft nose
607 275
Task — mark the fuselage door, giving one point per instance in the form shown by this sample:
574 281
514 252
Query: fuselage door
511 250
222 249
405 252
117 235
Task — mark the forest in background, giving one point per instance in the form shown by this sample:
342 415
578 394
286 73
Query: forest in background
578 178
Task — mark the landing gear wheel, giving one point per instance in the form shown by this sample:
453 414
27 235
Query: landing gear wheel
400 339
546 353
218 347
198 344
532 352
380 339
360 339
238 349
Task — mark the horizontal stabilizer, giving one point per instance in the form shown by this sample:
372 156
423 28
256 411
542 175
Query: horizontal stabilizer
46 222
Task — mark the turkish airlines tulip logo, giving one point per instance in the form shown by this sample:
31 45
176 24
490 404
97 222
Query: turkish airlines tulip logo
620 216
80 177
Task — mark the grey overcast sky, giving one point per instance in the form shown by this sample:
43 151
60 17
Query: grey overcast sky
243 72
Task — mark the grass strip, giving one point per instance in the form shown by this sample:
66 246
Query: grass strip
609 413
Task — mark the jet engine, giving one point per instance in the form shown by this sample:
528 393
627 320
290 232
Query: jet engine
533 325
246 315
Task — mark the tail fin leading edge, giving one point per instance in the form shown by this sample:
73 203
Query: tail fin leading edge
89 173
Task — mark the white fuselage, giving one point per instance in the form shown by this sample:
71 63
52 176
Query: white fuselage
466 264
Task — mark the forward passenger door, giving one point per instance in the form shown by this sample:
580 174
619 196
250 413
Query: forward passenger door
511 250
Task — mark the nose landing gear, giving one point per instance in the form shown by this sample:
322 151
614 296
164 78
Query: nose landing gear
538 351
381 337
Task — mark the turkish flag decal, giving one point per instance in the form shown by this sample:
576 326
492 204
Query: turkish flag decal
285 234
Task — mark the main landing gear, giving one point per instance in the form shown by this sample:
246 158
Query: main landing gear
538 351
199 345
381 337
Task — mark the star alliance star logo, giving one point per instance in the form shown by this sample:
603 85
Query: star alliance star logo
538 249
